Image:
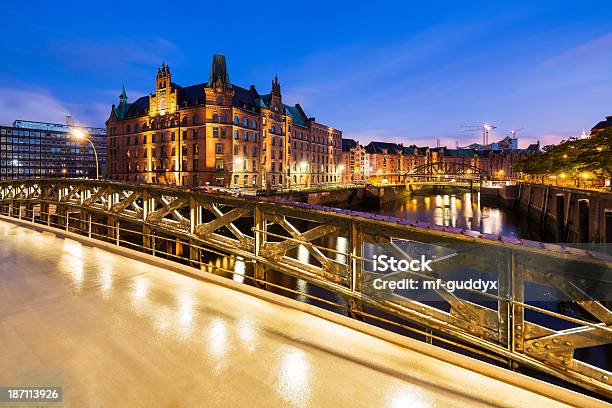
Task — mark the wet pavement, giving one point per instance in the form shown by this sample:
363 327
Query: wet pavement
117 332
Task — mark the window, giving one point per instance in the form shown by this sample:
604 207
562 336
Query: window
127 129
273 130
172 136
196 149
236 135
254 151
215 132
254 124
195 133
236 120
246 136
194 120
136 129
224 118
184 120
219 148
245 122
223 132
235 149
219 100
246 180
215 117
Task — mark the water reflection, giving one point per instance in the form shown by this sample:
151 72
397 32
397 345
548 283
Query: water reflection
455 208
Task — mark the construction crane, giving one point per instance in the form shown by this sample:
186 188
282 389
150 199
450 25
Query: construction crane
485 127
514 131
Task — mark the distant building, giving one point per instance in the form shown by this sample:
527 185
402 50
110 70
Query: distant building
353 161
506 144
218 133
392 161
37 150
604 124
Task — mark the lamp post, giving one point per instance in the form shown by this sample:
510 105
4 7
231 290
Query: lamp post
78 133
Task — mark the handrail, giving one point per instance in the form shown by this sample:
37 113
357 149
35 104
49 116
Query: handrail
270 233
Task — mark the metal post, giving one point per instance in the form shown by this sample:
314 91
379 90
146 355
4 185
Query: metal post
583 221
504 278
355 263
195 219
260 239
517 311
560 215
608 226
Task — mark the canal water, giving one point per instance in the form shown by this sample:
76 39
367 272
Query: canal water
449 207
461 209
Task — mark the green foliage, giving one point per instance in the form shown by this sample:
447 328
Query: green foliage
572 157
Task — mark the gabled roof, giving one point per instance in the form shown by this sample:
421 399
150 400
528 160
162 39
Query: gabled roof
299 118
383 147
467 153
348 144
603 124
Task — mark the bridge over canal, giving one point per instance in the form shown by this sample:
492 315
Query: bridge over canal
126 317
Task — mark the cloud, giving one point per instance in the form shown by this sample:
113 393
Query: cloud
40 105
591 52
30 105
116 54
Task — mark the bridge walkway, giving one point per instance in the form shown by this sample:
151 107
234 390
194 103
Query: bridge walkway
116 331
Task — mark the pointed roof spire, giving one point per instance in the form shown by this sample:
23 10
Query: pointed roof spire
276 78
123 97
218 71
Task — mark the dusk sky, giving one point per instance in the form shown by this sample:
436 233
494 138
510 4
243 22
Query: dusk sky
403 72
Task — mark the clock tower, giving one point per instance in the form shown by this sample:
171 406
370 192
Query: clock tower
164 100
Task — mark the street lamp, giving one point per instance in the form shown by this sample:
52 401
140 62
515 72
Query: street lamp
78 134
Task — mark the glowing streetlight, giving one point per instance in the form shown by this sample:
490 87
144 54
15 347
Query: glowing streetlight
562 175
80 135
565 156
585 175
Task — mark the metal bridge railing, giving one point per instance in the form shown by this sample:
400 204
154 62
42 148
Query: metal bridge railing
551 303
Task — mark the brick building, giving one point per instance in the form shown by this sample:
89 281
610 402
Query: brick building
218 133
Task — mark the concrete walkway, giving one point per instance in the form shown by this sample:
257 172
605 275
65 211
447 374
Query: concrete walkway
116 332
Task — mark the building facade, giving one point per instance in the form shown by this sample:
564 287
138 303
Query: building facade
31 149
389 162
218 133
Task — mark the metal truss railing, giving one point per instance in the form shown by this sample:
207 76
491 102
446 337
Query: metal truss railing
325 247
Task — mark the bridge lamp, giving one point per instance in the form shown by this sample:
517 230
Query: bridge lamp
80 135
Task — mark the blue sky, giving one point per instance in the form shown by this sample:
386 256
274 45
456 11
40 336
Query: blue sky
394 71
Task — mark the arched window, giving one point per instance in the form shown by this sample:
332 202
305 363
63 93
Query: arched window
215 117
245 122
273 129
194 120
144 126
224 118
236 120
184 120
172 122
254 124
